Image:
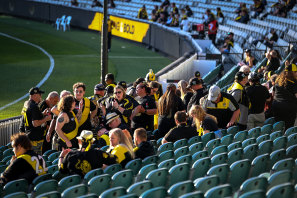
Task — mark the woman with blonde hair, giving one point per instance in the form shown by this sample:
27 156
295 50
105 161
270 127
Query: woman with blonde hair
120 146
204 122
182 87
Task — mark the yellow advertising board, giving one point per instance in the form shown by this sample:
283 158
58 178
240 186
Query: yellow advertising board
125 28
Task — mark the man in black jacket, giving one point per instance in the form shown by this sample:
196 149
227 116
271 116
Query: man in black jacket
196 85
143 148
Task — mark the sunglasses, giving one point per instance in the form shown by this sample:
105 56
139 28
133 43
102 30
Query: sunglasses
118 92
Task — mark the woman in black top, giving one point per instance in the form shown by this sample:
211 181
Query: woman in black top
67 125
284 106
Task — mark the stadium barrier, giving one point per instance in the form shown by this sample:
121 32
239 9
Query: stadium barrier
7 128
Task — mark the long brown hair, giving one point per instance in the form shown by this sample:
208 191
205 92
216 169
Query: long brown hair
167 102
199 115
284 77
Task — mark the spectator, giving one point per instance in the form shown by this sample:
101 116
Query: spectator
168 105
165 4
86 109
96 3
155 14
182 86
249 59
120 146
98 94
109 80
162 19
243 17
208 16
170 20
242 6
272 63
74 3
220 14
142 115
203 122
142 13
271 38
279 10
258 95
183 14
258 7
199 91
284 105
189 12
181 131
176 20
221 105
228 43
237 90
132 90
143 147
212 29
85 159
67 125
25 163
34 121
185 24
130 98
245 69
174 8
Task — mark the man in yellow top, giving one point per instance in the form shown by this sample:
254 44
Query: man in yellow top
142 13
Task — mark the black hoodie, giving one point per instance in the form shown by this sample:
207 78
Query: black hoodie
144 150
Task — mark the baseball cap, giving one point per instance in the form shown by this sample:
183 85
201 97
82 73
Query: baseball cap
123 84
99 87
35 90
213 93
240 76
194 81
197 74
291 67
110 117
86 135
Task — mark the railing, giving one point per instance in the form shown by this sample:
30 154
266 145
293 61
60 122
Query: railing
7 128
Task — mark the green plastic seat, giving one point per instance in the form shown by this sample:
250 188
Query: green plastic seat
20 185
180 188
219 191
275 135
269 121
267 129
281 190
154 143
227 139
203 184
240 136
52 194
184 159
41 178
291 151
75 191
265 147
276 156
254 194
112 169
260 164
92 174
104 148
150 160
194 140
17 195
6 160
234 145
195 194
140 187
279 177
235 155
219 149
178 173
8 152
165 155
280 143
254 183
221 170
200 168
155 192
145 170
165 147
55 162
167 164
134 165
291 131
285 164
250 152
239 172
262 138
47 153
158 177
292 140
2 168
114 192
180 143
181 151
219 159
279 126
212 144
248 142
159 141
89 196
122 178
98 184
45 186
69 181
194 148
53 156
199 155
52 169
233 130
254 132
58 175
207 137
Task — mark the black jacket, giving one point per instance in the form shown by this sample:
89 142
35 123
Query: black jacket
144 150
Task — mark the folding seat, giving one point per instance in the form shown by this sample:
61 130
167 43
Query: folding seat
275 135
99 184
178 173
8 152
248 142
195 147
122 178
269 121
52 169
227 139
200 168
134 165
184 159
53 156
253 194
199 155
291 131
219 159
277 155
17 195
158 177
181 151
19 185
112 169
75 191
235 155
212 144
145 170
292 151
279 143
222 171
165 147
52 194
207 137
234 145
240 136
194 140
155 192
254 183
279 177
68 182
113 192
250 152
239 172
44 187
195 194
203 184
292 140
254 132
218 150
265 147
180 188
219 191
281 190
150 160
167 164
260 164
279 126
41 178
91 174
232 130
165 155
285 164
140 187
180 143
262 138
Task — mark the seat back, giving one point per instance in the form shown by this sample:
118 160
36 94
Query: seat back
69 181
260 164
99 184
178 173
122 178
158 176
75 191
239 172
20 185
140 187
219 191
254 183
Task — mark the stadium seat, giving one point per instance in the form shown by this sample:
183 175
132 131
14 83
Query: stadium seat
203 184
291 131
253 194
254 183
180 143
178 173
99 184
254 132
232 130
145 170
19 185
195 147
41 178
8 152
275 135
279 126
181 151
184 159
75 191
45 186
211 144
265 147
53 156
199 155
219 191
260 164
262 138
219 159
68 182
165 155
52 194
218 150
292 151
207 137
240 136
276 156
282 190
200 168
150 160
165 147
285 164
122 178
158 177
113 192
279 143
248 142
269 121
180 188
194 140
234 145
155 192
267 129
140 187
90 195
221 170
250 152
292 140
235 155
52 169
226 140
47 153
55 162
16 195
167 164
58 175
239 172
104 148
134 165
195 194
279 177
91 174
112 169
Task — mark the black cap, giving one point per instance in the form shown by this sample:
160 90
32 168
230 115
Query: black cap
194 81
123 84
197 74
35 90
240 76
109 76
99 87
109 89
